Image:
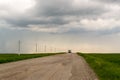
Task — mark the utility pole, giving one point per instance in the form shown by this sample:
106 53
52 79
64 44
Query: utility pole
55 49
45 48
19 47
51 49
36 47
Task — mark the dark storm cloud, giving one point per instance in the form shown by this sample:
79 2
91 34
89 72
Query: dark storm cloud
56 11
66 8
88 11
25 22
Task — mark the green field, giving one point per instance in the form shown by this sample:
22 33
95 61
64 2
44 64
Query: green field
106 66
4 58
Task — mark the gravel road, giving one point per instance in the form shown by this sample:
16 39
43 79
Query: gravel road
58 67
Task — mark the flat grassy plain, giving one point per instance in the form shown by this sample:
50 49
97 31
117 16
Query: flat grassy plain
106 66
4 58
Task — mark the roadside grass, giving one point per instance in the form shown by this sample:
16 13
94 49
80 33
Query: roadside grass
5 58
106 66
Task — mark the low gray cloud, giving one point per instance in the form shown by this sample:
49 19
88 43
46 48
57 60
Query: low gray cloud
63 16
109 1
24 22
106 2
66 8
56 13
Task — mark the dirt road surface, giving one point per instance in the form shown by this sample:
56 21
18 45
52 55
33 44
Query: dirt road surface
58 67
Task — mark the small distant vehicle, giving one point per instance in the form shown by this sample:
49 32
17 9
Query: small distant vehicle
69 51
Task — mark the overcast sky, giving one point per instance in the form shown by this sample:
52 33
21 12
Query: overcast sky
80 25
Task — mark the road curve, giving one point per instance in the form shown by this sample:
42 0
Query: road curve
58 67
